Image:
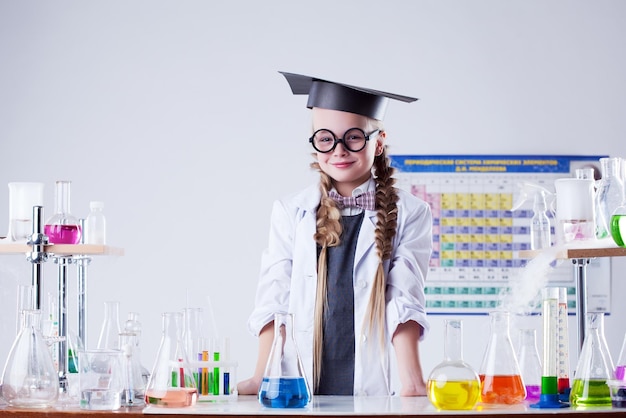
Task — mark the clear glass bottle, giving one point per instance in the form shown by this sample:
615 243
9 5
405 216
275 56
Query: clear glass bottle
110 331
95 224
284 382
610 195
134 385
30 379
62 227
171 382
529 363
500 375
594 368
453 384
540 233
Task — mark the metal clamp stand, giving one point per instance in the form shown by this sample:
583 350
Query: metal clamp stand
38 256
581 297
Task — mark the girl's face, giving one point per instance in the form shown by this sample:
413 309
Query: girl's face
347 169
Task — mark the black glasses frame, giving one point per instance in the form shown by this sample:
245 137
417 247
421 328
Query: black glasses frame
342 139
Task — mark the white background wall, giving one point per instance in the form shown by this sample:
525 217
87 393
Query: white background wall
173 113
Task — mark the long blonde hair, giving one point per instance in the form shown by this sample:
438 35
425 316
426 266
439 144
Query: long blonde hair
328 234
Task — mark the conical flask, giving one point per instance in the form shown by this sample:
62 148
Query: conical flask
110 331
594 368
610 194
30 379
171 382
453 384
500 376
529 363
284 382
620 366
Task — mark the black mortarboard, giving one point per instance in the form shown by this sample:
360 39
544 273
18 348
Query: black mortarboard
337 96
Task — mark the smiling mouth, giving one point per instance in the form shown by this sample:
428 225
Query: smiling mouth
342 164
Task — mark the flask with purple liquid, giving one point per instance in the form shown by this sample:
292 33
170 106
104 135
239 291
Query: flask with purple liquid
63 227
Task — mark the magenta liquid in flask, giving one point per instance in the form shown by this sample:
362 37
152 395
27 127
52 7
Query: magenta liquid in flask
63 227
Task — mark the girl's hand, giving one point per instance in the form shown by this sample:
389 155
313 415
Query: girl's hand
418 389
249 386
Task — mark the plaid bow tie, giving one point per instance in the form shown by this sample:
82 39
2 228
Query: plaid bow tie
366 200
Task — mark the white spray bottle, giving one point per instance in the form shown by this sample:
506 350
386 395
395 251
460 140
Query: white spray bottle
540 231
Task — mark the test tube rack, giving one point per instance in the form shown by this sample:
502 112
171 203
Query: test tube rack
210 389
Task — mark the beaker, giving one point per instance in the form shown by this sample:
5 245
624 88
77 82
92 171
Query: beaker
594 368
62 227
610 194
284 382
500 376
529 363
453 384
575 211
30 379
22 197
171 382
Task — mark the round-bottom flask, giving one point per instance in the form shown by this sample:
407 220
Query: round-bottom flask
284 382
594 368
500 376
30 379
453 384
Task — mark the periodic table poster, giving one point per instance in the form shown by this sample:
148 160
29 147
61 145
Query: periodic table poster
476 235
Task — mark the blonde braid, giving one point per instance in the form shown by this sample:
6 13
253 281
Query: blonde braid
387 222
328 234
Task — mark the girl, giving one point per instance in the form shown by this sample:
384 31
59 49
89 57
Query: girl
348 256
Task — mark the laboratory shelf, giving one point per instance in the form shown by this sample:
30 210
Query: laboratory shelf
62 249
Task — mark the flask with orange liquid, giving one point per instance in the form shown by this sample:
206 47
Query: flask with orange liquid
500 375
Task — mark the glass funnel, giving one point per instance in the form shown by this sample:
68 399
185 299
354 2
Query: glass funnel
453 384
500 376
171 382
594 368
30 379
284 382
63 227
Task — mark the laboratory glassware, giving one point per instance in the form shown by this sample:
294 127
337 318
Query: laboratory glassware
453 384
595 366
110 331
575 211
618 225
549 396
193 337
620 365
95 224
25 301
529 363
563 347
500 375
610 194
63 227
22 197
134 385
171 382
284 382
540 232
133 325
30 379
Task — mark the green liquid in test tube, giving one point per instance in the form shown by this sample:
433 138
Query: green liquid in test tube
549 379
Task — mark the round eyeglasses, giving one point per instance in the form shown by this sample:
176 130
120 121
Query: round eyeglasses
354 140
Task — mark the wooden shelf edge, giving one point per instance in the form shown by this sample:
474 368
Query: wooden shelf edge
63 249
570 253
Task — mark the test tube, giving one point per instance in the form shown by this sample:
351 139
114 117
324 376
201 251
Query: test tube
563 346
549 378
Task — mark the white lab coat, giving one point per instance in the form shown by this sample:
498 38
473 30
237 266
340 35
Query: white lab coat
288 280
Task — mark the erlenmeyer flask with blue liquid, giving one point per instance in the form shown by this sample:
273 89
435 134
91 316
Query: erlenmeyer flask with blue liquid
284 381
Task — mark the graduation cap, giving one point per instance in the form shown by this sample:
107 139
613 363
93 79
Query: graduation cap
338 96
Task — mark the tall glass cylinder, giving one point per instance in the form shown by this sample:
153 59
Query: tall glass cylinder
110 331
63 227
